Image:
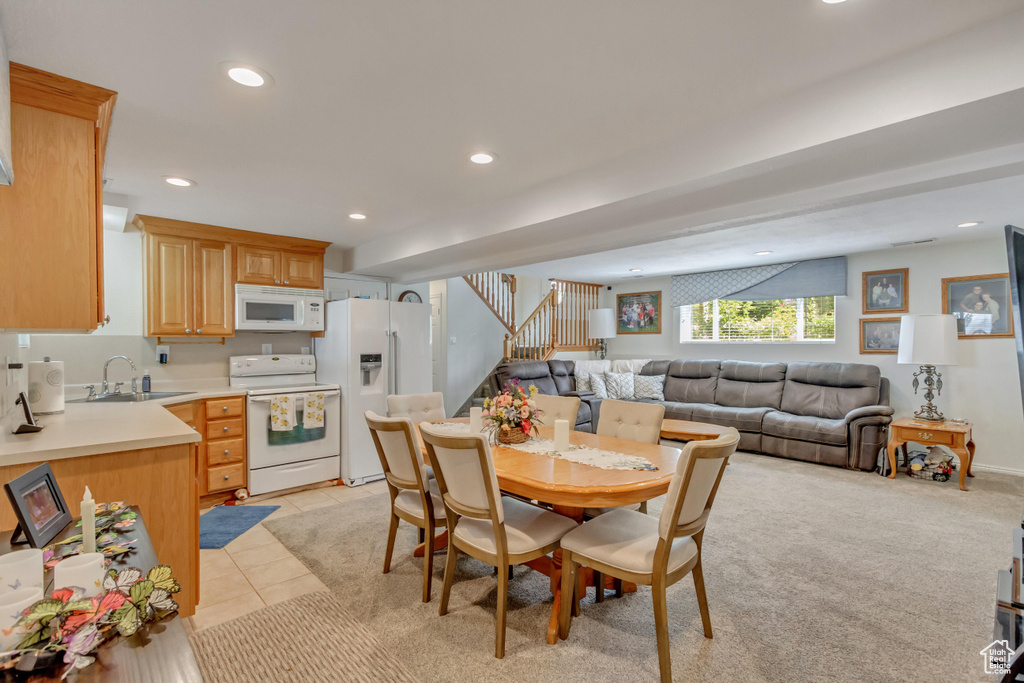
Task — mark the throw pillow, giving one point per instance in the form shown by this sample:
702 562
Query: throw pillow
583 382
620 384
649 386
598 386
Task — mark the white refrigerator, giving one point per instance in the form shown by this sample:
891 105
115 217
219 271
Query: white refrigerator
372 348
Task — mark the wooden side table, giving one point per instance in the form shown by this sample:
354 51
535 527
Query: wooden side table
956 436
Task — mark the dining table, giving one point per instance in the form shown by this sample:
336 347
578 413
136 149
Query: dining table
569 488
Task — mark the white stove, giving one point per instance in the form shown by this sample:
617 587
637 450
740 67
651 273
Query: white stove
284 459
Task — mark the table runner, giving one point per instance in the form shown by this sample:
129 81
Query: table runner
583 455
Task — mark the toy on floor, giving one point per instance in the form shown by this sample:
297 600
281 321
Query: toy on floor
936 464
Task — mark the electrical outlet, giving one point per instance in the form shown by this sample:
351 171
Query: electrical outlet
268 349
305 350
162 349
24 341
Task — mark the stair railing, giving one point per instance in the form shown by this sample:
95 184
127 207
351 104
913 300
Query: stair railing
498 291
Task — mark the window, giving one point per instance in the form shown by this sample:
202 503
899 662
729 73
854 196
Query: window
782 320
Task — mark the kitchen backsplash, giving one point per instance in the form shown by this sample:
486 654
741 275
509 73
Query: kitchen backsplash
84 355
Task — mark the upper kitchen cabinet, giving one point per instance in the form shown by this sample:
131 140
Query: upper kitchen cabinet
191 271
51 218
280 268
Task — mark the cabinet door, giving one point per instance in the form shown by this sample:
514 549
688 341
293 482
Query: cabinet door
169 286
259 266
215 300
303 270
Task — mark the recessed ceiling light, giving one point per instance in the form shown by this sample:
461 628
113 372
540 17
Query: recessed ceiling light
832 2
247 75
357 216
483 157
178 181
970 224
636 270
761 253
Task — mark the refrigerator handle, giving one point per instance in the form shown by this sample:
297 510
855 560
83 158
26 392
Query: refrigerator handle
394 355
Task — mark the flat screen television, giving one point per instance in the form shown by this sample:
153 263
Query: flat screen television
1015 256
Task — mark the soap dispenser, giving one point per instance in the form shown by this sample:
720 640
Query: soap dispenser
145 382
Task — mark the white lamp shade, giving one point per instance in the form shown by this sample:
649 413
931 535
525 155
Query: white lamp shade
928 340
601 323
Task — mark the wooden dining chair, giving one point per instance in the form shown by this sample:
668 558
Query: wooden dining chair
634 422
417 407
656 552
558 408
414 498
499 531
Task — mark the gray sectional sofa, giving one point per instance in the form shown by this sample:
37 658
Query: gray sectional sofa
832 413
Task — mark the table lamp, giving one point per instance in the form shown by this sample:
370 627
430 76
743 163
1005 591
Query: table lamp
601 326
928 340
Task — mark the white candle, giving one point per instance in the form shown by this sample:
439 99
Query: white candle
476 420
88 522
561 435
11 605
21 569
81 571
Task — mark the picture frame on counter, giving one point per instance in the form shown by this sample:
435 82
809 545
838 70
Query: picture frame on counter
981 304
885 291
39 506
880 335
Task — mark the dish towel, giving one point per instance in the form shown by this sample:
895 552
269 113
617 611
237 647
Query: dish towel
313 412
282 413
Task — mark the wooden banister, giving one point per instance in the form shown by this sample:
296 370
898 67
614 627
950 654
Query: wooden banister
498 292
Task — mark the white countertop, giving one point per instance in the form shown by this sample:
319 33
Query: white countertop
93 428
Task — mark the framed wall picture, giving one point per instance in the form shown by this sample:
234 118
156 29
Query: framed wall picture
886 291
981 304
39 506
880 335
638 313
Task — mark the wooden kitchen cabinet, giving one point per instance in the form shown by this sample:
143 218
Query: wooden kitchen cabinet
222 463
188 287
51 217
303 270
279 268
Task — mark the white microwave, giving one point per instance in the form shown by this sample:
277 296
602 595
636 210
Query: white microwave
279 309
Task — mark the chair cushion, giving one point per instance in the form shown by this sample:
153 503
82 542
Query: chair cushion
626 540
527 528
594 512
408 501
804 428
743 419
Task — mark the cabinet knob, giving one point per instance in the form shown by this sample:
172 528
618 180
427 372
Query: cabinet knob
188 331
227 452
225 409
226 428
199 331
286 282
277 282
194 428
226 477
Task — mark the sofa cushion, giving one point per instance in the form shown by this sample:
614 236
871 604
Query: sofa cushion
528 372
633 366
619 385
692 381
743 419
562 374
804 450
585 415
649 386
742 384
656 367
829 390
805 428
674 410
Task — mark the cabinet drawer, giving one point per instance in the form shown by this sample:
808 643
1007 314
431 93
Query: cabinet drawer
225 429
217 408
923 435
223 451
182 411
225 477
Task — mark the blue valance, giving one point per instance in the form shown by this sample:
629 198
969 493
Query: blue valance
819 277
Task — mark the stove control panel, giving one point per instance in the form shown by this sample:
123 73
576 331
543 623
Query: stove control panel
279 364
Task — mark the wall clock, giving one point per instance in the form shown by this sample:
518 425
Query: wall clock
410 297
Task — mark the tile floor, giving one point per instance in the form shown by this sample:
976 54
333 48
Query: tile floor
255 569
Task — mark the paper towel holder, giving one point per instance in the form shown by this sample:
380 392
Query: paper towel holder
30 426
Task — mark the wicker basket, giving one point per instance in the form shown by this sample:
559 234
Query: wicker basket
514 435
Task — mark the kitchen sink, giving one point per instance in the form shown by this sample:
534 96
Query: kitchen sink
130 398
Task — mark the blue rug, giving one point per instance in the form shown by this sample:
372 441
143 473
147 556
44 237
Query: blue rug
225 523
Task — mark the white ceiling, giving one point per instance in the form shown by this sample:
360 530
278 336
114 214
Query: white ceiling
376 106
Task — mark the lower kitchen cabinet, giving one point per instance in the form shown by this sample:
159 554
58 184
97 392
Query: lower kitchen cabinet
222 453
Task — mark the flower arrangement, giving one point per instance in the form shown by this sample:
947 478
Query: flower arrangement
76 625
512 414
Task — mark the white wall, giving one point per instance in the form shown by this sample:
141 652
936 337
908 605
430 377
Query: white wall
478 345
984 388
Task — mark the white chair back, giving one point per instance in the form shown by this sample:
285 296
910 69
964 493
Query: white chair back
558 408
465 471
417 407
630 420
698 473
395 439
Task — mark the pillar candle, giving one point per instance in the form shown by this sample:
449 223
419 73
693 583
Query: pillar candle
476 420
22 568
88 522
81 571
561 435
11 605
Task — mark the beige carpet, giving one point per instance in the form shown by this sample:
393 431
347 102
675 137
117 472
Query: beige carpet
813 573
305 639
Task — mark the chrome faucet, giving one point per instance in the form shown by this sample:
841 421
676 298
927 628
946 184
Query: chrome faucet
107 364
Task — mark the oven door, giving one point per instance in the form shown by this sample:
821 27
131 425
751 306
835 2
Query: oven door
267 447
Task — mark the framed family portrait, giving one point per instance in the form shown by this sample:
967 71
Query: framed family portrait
981 304
638 313
879 335
886 291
